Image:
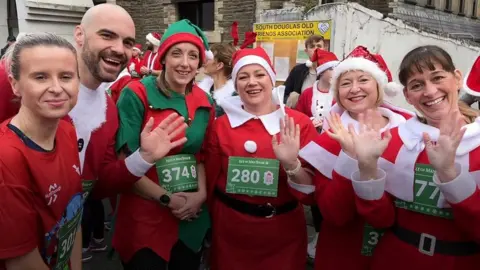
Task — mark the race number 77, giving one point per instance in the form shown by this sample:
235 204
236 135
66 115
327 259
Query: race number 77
423 184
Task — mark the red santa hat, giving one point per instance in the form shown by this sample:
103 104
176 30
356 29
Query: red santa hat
138 47
324 60
154 38
471 83
246 57
361 59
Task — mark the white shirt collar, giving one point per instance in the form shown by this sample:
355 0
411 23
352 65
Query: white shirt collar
237 116
226 90
412 131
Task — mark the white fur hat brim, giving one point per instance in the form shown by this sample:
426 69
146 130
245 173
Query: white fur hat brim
359 63
326 66
153 40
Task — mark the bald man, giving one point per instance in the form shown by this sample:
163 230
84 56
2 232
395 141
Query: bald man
105 40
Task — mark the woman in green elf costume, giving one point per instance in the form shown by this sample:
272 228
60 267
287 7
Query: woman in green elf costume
163 221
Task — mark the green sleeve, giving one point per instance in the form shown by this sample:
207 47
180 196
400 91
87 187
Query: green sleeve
130 113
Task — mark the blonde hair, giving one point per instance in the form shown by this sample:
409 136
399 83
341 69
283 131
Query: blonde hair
379 92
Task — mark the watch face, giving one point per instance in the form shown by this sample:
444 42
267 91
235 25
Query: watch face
165 199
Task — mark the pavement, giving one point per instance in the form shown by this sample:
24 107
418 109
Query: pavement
101 262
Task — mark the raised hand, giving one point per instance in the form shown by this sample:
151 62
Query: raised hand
441 153
156 143
369 144
339 133
286 149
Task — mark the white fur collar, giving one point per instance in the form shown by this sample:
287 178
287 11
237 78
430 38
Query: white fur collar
237 116
412 131
90 112
226 90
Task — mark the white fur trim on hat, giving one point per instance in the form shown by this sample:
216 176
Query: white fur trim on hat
249 60
153 40
392 89
326 66
309 63
209 55
358 63
136 49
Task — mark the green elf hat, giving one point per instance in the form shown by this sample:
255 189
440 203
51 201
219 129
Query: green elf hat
185 31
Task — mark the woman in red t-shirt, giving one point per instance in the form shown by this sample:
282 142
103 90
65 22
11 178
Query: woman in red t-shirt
40 187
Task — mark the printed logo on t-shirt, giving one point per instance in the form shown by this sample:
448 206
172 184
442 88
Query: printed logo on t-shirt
51 196
60 239
77 169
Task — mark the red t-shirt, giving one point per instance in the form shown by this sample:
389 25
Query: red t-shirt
40 197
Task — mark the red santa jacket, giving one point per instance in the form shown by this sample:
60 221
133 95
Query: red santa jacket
448 212
96 122
342 231
324 102
151 61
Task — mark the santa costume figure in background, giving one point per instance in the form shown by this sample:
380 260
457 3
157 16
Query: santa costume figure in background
150 64
134 65
317 100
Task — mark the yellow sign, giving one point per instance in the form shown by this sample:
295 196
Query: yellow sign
292 30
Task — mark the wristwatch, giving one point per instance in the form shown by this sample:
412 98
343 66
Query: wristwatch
165 199
294 171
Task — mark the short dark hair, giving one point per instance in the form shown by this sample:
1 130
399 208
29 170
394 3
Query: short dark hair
11 39
312 40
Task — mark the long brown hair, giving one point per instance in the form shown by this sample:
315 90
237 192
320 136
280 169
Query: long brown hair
425 58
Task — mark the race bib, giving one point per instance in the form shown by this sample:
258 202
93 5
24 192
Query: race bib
67 232
426 194
371 236
87 186
178 173
253 176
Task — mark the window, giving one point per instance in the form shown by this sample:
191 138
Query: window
201 13
461 8
448 6
12 19
474 9
98 2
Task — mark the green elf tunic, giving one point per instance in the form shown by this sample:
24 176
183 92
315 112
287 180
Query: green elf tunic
145 223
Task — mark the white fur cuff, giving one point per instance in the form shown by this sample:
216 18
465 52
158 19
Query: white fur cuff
136 165
305 189
369 189
459 188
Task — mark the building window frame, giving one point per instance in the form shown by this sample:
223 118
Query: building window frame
12 17
448 6
461 8
199 12
474 9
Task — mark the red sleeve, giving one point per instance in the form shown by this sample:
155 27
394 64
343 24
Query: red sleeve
302 105
335 198
378 213
213 159
18 219
114 177
8 107
307 134
467 215
201 155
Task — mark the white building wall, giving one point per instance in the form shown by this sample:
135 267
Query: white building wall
355 25
3 23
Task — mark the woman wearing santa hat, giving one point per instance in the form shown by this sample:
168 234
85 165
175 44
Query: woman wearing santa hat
317 100
421 181
358 83
150 65
257 222
163 222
